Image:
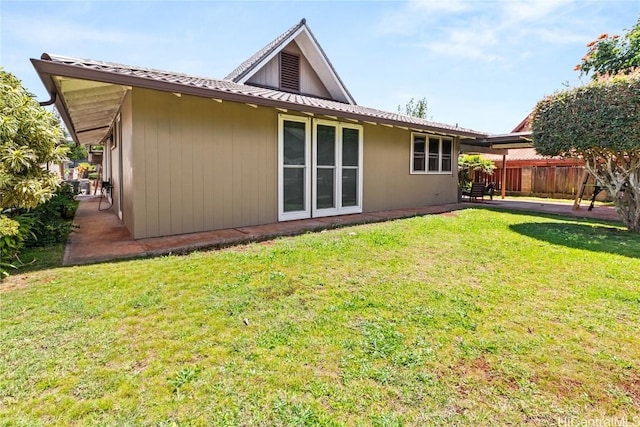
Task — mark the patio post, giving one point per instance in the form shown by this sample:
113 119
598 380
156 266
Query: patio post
503 189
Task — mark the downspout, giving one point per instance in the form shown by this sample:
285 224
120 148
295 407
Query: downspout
50 101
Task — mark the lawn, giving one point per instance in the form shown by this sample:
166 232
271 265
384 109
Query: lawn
469 318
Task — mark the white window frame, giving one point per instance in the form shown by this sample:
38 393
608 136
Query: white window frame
338 209
310 209
426 170
306 212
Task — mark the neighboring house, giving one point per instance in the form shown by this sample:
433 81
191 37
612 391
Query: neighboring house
280 138
531 174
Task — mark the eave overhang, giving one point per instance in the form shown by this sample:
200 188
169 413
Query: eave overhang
510 140
50 70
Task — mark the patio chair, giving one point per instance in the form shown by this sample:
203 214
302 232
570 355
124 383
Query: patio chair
478 190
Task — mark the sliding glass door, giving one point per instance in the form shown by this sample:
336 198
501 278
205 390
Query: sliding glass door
336 168
320 168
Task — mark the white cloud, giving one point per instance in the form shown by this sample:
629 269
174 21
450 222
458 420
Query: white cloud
54 33
439 6
474 42
415 13
486 31
531 10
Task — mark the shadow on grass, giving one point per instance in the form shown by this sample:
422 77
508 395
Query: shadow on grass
41 258
590 237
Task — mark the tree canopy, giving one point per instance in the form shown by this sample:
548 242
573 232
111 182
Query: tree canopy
30 136
612 54
470 163
598 122
602 115
415 108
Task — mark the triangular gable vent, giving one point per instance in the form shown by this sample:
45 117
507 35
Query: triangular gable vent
313 54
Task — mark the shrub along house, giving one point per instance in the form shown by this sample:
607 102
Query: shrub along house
280 138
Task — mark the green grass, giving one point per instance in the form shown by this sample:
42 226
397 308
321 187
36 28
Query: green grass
473 318
40 258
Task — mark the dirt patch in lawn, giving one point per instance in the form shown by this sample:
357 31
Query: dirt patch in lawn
13 283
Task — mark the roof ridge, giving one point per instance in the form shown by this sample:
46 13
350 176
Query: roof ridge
254 59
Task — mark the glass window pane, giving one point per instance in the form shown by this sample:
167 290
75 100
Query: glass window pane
350 143
326 145
294 144
419 145
447 145
434 145
434 148
349 187
325 188
446 164
293 189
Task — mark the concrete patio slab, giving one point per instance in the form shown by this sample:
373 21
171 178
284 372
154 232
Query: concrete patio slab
100 236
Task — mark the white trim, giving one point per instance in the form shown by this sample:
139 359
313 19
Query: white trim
306 212
338 209
426 170
314 180
311 166
264 61
328 75
315 56
358 207
118 136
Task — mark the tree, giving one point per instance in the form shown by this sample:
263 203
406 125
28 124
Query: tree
598 122
612 54
30 136
470 163
415 108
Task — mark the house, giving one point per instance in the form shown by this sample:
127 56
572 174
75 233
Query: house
280 138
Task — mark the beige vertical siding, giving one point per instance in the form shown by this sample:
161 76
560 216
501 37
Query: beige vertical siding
193 164
127 166
310 83
387 181
201 165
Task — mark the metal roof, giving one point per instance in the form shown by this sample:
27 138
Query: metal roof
248 65
54 70
301 35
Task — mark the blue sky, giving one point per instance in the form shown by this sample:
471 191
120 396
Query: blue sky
481 64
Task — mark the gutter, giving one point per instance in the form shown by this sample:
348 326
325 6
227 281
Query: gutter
48 83
52 100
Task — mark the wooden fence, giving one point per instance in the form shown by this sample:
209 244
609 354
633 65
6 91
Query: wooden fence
543 181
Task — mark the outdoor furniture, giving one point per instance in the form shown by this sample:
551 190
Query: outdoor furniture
105 189
478 190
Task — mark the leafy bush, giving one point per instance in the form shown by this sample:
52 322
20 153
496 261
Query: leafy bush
12 236
51 221
470 163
